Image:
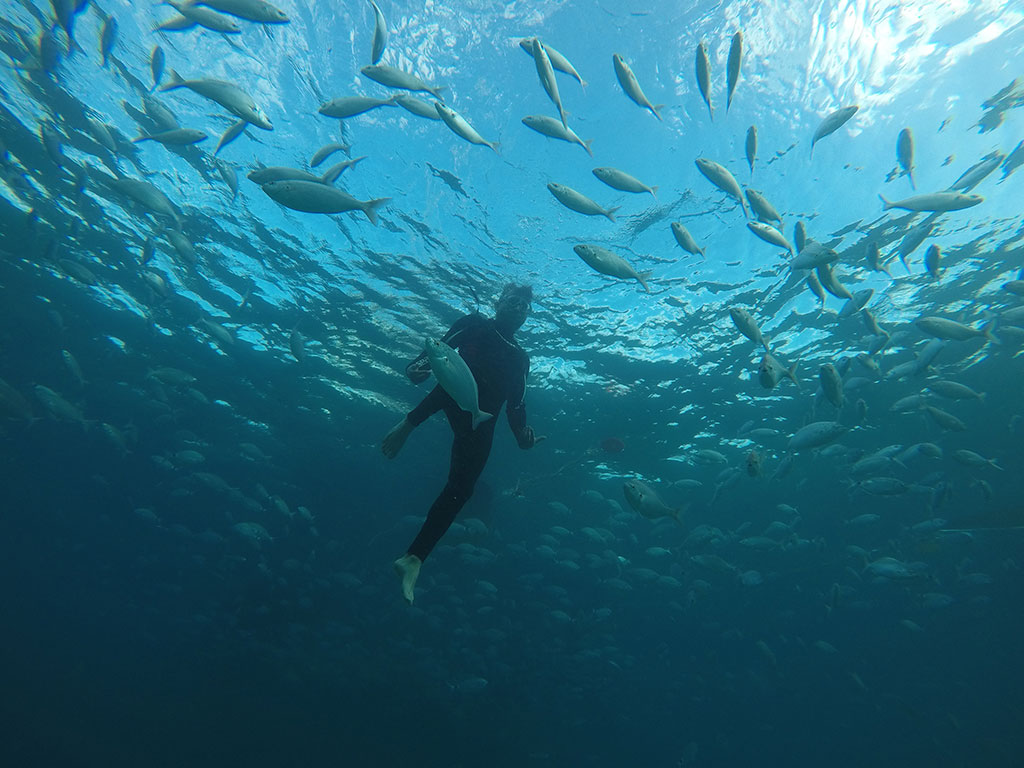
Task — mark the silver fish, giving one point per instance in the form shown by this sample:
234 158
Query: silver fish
622 181
329 149
770 371
314 197
546 73
832 384
978 172
814 284
761 208
380 34
205 17
733 67
769 234
800 236
685 239
873 256
751 147
258 11
721 178
178 137
461 127
230 177
832 123
747 325
397 78
558 61
813 255
608 263
831 283
418 107
817 434
943 328
932 259
630 85
350 106
642 498
228 95
579 202
703 66
905 154
233 132
549 126
936 201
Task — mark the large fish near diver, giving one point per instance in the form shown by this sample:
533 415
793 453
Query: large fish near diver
455 378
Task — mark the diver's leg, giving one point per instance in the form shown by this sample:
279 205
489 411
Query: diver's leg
470 450
408 569
393 441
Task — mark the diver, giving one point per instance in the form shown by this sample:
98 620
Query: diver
499 366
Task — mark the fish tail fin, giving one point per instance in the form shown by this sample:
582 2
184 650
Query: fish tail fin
643 277
175 81
435 92
654 191
886 205
370 209
494 145
480 417
583 84
586 146
143 137
791 373
656 109
610 213
910 174
986 331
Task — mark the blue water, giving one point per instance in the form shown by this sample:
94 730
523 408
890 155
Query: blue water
196 563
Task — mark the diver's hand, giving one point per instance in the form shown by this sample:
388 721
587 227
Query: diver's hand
418 370
395 439
527 438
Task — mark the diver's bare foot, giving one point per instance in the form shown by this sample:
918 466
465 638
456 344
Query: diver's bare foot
408 567
395 439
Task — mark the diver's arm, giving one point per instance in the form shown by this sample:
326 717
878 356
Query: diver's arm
516 412
419 369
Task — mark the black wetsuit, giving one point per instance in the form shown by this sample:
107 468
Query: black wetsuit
500 367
